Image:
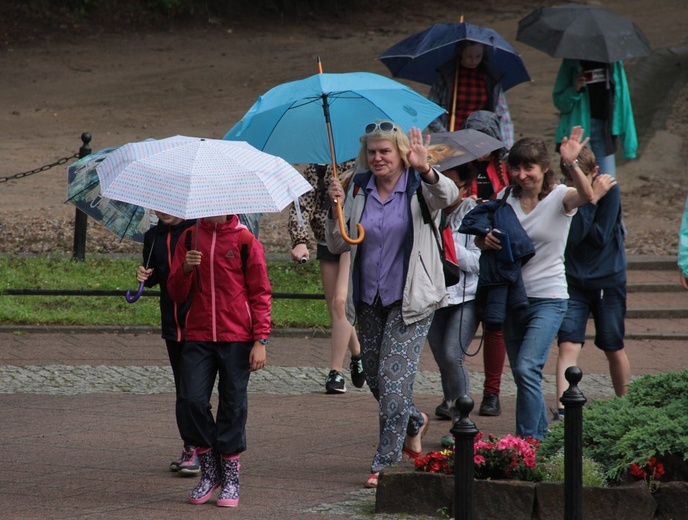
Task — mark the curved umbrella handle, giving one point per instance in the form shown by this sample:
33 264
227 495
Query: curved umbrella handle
342 228
132 299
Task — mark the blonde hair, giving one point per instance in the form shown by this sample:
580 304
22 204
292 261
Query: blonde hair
397 136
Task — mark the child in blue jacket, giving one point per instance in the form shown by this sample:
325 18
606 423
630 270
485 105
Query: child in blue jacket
596 277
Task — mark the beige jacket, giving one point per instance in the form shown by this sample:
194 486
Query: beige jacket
424 289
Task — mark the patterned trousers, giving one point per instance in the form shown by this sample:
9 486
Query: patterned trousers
391 351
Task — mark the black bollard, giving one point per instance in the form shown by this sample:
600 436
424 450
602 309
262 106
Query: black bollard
80 218
573 401
464 432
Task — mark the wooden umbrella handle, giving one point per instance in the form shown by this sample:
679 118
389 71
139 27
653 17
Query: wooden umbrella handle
454 95
342 228
340 213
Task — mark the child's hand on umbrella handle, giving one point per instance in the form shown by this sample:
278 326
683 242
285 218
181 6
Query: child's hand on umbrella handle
579 82
142 274
191 260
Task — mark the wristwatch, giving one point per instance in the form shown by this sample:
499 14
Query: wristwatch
262 341
570 166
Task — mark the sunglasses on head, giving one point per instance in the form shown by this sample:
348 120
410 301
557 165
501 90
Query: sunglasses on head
385 127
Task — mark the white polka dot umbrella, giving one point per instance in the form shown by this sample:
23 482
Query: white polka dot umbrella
191 177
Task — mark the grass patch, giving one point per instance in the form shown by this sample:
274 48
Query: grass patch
118 274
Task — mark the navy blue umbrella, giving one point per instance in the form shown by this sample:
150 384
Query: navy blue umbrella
419 56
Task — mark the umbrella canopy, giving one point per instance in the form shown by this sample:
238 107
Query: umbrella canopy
127 221
291 119
583 32
420 55
452 149
190 177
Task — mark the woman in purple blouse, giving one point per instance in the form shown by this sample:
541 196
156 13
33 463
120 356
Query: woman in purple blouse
396 280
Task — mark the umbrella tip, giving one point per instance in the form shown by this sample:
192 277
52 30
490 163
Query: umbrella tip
461 18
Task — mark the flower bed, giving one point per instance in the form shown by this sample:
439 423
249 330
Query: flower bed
403 490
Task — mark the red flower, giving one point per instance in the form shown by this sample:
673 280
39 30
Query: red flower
637 472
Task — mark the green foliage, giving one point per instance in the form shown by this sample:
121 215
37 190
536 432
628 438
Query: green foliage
119 275
553 471
649 421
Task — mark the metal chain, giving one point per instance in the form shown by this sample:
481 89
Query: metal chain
38 170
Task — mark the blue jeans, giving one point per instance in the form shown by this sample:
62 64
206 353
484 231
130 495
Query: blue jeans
451 333
607 163
608 309
528 335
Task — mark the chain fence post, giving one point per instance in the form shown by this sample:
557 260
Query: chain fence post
80 218
573 401
464 431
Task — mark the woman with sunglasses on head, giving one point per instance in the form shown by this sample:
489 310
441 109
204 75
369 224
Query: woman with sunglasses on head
544 208
396 280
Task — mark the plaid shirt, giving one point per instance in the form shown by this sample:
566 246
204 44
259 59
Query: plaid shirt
471 92
441 91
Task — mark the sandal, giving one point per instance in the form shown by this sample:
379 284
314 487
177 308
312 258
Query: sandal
372 480
411 454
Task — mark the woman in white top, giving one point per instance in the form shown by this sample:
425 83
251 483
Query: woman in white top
544 208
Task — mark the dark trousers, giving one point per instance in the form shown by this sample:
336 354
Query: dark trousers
174 351
201 363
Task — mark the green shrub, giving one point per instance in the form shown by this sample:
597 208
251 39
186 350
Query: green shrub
553 470
651 420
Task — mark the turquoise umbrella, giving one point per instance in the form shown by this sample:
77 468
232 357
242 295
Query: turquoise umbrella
320 119
291 120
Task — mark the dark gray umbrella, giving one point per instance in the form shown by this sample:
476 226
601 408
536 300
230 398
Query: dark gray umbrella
582 32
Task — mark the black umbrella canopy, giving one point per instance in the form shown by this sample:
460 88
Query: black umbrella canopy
583 32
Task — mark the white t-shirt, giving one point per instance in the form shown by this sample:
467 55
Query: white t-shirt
547 225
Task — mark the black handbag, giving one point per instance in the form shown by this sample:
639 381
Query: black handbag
452 272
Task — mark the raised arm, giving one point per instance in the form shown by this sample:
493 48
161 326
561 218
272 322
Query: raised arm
569 150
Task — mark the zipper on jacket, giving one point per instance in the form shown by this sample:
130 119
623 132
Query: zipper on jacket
420 259
212 284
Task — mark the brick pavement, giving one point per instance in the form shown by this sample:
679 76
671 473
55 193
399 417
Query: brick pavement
87 427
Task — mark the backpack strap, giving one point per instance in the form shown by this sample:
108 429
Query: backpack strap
507 192
245 245
427 219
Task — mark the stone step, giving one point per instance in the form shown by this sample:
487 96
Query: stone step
647 262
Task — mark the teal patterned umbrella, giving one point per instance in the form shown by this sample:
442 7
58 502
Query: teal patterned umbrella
127 221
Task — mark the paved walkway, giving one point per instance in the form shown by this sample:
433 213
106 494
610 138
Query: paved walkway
87 427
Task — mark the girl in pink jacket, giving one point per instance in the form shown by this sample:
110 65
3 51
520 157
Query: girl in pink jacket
221 265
